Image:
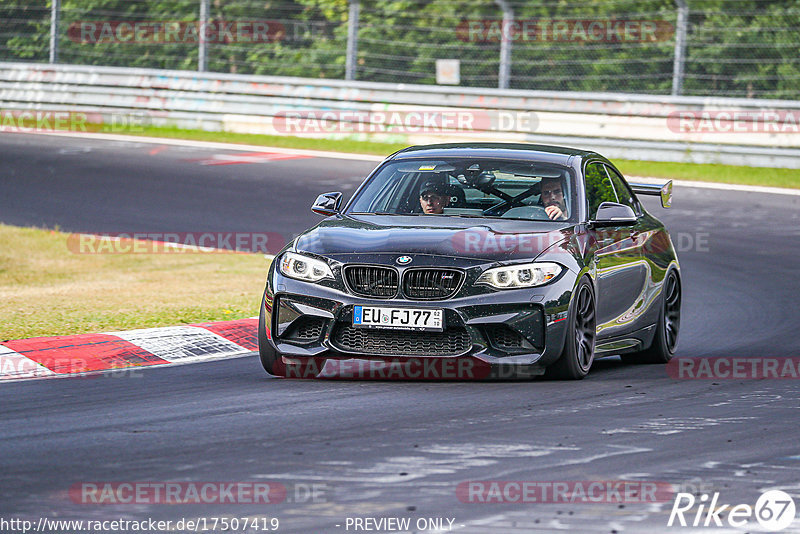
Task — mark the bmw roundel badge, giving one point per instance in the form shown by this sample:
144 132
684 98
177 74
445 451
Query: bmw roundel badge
404 260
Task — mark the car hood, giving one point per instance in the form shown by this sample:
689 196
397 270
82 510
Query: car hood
485 239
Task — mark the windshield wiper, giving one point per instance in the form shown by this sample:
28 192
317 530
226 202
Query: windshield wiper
382 213
468 216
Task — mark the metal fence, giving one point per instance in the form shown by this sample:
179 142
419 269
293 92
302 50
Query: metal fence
735 48
122 100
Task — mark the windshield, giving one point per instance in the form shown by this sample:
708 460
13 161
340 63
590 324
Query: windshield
470 188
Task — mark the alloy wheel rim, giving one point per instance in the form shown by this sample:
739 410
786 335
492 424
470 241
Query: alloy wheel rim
672 311
585 328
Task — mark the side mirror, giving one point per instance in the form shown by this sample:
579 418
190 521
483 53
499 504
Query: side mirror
614 214
665 192
327 204
666 195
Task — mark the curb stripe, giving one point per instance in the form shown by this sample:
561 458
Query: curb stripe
250 157
83 353
15 365
243 332
48 357
182 343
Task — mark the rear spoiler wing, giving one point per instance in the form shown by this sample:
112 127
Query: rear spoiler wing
664 191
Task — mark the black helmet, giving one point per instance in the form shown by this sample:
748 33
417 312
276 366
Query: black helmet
437 186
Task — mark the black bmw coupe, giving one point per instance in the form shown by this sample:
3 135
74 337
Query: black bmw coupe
475 260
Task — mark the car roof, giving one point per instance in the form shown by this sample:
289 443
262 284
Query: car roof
517 151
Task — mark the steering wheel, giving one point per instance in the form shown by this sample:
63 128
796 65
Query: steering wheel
527 212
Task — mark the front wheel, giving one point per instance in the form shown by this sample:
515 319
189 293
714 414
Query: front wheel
578 354
669 322
270 358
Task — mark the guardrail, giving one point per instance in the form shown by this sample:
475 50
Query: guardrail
666 128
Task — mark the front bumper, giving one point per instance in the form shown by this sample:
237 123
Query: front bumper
521 328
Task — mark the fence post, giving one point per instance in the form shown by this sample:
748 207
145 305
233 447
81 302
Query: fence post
680 47
505 45
352 41
202 50
54 15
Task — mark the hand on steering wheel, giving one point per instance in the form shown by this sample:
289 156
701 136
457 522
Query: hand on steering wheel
554 212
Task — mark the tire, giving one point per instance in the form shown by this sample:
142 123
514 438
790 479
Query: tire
578 353
662 349
270 358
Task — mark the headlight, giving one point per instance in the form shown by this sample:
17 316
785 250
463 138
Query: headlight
304 268
522 275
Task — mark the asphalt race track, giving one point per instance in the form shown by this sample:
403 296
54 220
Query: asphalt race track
378 449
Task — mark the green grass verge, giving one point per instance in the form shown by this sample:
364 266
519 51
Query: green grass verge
281 141
731 174
710 172
46 289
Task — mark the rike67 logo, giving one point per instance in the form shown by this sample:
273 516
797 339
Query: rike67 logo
774 511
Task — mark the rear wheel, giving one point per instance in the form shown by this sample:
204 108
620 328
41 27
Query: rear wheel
270 358
578 354
669 322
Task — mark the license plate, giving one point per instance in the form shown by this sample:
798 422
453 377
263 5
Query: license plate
398 318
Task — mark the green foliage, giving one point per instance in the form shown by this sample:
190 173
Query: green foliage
744 48
24 30
752 50
598 188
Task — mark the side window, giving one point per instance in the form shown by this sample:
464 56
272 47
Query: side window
623 191
598 187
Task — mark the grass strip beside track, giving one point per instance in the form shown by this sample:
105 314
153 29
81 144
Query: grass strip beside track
731 174
48 290
281 141
710 172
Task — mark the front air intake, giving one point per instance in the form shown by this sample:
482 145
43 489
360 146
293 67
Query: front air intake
431 284
371 281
